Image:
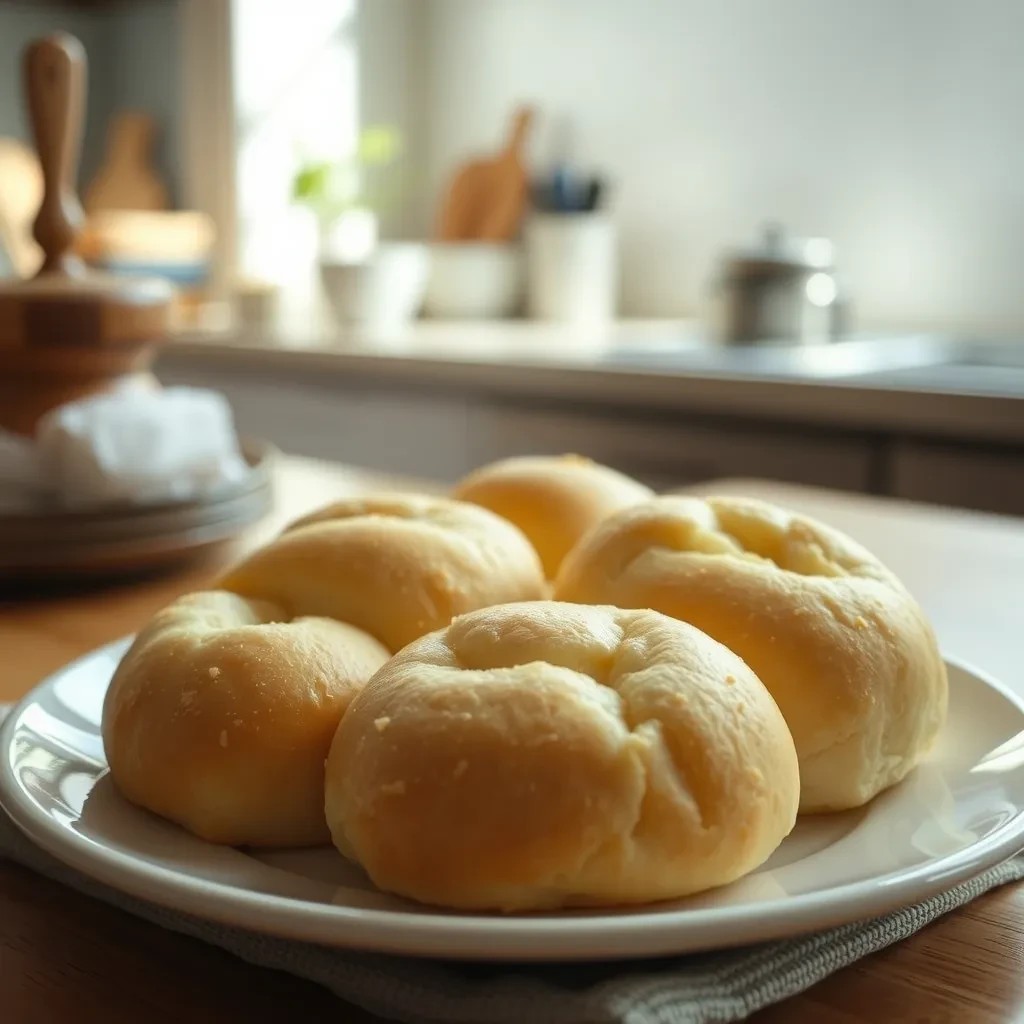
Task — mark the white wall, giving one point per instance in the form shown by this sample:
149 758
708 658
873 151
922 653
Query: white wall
895 127
392 74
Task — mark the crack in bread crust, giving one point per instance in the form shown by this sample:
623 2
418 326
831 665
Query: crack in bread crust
834 635
553 754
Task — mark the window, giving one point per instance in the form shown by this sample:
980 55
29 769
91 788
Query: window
266 84
295 78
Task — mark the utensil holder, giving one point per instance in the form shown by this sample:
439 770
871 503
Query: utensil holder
572 268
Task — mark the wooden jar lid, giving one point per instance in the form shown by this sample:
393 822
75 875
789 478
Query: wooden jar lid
82 310
65 305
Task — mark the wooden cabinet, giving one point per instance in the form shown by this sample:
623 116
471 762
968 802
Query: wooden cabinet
384 429
408 433
986 478
313 421
669 453
442 434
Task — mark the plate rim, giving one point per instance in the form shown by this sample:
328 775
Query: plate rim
158 533
259 454
493 937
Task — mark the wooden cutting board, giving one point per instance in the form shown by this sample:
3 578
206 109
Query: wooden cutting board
487 197
127 180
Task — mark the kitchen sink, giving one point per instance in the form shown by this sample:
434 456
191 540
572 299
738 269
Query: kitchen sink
928 362
972 367
983 379
852 357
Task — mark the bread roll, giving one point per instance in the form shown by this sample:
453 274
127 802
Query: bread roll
843 647
397 566
554 500
222 712
538 755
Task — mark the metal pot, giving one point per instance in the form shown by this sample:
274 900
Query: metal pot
784 290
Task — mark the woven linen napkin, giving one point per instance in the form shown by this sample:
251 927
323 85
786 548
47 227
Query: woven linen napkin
714 987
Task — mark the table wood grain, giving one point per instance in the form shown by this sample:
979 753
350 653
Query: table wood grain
67 958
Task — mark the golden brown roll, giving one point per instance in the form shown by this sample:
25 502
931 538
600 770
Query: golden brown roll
397 566
843 647
554 500
222 712
541 754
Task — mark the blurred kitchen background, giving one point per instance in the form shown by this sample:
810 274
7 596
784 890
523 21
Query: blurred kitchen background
691 239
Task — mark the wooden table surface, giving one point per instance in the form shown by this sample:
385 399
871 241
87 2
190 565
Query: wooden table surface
66 958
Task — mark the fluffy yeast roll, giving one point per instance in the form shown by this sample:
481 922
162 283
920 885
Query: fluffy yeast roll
397 566
843 647
541 754
220 717
554 500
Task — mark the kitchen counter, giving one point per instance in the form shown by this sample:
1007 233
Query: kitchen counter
907 416
898 384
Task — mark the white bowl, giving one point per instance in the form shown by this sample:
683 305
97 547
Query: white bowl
474 280
384 290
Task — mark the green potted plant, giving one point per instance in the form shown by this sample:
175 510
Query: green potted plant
368 282
353 192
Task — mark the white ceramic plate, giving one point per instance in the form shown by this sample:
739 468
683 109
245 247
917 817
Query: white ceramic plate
958 814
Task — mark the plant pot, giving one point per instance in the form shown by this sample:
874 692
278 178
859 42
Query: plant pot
572 268
385 290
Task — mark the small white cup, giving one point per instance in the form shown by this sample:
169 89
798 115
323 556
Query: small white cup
572 268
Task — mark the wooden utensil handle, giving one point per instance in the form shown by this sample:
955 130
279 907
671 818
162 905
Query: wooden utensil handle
54 74
521 121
